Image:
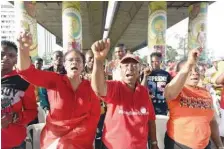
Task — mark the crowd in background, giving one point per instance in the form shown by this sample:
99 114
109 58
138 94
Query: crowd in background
120 113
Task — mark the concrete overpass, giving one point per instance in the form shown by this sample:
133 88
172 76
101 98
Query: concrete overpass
129 25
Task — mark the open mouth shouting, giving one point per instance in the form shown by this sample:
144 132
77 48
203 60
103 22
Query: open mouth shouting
129 75
74 68
194 78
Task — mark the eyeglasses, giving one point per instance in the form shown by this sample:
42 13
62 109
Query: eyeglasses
76 60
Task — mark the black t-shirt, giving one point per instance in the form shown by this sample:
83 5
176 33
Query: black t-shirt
156 83
12 89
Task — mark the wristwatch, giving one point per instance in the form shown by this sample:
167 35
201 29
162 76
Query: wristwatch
154 142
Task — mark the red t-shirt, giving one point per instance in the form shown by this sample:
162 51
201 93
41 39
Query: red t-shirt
73 116
18 96
127 118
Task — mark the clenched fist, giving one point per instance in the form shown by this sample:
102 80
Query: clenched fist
147 71
25 40
100 49
193 56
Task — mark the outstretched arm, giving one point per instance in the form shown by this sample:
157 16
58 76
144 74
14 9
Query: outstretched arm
27 71
98 82
173 88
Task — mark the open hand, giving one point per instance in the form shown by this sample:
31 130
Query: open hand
100 49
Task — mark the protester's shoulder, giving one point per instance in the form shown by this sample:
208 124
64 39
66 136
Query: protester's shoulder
192 90
14 76
49 68
15 80
114 83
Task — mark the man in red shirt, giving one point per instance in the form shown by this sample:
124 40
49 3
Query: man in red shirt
18 102
130 114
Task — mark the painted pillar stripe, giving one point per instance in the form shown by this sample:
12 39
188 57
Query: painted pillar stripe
157 24
72 26
26 20
197 27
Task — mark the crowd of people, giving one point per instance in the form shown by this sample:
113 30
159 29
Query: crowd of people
93 104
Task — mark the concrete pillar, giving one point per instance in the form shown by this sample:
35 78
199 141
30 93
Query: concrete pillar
157 24
25 16
72 25
197 27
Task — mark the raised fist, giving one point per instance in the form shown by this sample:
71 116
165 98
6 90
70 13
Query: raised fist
100 49
193 56
25 40
147 71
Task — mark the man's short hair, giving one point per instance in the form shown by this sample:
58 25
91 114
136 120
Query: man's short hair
170 61
9 44
89 52
58 51
157 54
39 60
121 45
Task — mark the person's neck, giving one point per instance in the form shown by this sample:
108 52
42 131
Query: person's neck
193 86
131 86
74 80
5 72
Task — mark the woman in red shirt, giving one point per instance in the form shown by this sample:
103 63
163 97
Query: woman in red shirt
74 108
192 121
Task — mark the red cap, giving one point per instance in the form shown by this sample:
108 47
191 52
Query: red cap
130 56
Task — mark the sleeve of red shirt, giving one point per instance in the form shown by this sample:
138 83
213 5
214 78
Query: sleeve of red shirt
29 103
39 78
112 87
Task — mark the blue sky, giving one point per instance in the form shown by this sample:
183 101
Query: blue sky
215 30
